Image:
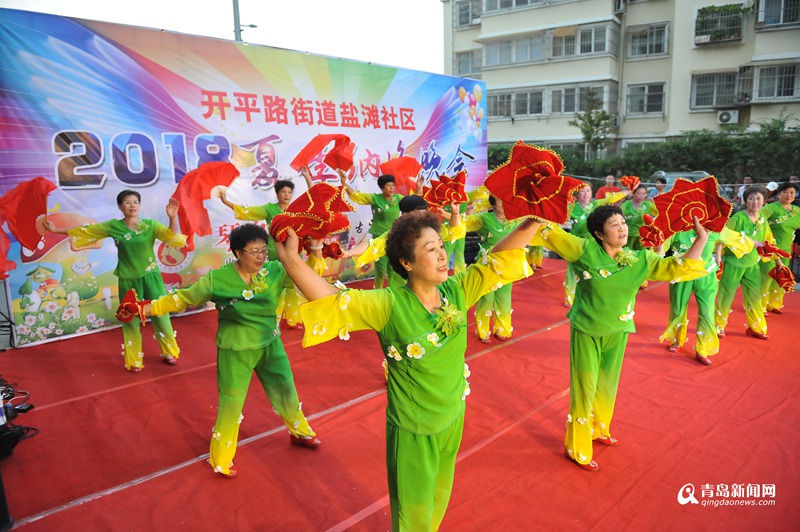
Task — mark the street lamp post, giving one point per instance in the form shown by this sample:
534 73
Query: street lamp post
237 25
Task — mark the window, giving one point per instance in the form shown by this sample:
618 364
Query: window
529 48
648 41
563 101
499 105
498 53
496 5
468 63
593 40
779 12
644 99
713 90
463 13
529 103
778 82
716 24
583 92
563 46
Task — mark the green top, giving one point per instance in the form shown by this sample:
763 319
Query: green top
135 256
578 214
425 351
635 216
489 228
605 294
267 212
783 223
680 243
384 212
759 231
245 313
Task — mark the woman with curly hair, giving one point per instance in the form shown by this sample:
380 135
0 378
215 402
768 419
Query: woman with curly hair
422 330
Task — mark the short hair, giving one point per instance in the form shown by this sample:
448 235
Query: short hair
385 178
635 190
283 183
125 193
492 200
784 186
752 189
244 234
403 235
413 203
662 180
597 220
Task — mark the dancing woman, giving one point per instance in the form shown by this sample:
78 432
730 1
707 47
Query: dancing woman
422 331
784 219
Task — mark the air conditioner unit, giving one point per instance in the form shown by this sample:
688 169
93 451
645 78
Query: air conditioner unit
619 6
728 117
615 123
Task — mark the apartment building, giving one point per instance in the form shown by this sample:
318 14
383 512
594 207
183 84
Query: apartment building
660 66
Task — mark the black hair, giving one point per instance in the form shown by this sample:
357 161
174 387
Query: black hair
752 189
413 203
640 186
492 200
597 220
283 183
125 193
385 178
244 234
784 186
662 180
403 235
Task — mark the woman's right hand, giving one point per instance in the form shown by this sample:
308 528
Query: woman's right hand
50 226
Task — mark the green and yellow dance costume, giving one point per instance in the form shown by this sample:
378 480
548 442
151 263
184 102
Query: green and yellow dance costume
137 269
578 215
427 382
634 217
600 321
704 290
384 213
289 303
744 271
491 230
783 224
248 339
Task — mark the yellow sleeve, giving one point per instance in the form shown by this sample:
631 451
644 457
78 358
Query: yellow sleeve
86 235
317 264
362 198
674 269
472 222
339 314
491 272
611 198
451 234
164 234
253 214
375 250
739 244
553 237
194 296
478 193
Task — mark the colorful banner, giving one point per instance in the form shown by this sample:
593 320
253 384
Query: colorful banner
97 108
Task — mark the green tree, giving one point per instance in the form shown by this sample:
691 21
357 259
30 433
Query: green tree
595 125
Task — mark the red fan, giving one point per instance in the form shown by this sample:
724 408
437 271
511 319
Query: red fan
719 271
769 249
687 199
783 276
317 144
332 250
405 170
530 184
630 181
195 187
341 156
650 235
130 307
315 214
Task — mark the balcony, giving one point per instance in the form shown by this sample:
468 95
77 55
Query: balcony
711 28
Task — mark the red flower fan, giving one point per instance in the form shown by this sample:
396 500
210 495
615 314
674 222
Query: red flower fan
650 235
20 208
195 187
783 276
687 199
530 184
769 249
317 213
317 144
630 181
332 250
341 155
405 170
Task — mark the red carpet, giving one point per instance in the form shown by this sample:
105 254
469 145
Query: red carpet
122 451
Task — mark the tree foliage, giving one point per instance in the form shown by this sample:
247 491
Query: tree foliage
595 125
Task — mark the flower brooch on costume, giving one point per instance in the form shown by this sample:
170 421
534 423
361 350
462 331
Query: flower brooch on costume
531 185
677 207
448 318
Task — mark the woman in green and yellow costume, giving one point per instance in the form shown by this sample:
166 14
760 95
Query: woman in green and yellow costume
579 212
784 220
289 304
136 268
745 270
601 317
422 330
492 227
704 290
634 210
455 248
385 210
245 292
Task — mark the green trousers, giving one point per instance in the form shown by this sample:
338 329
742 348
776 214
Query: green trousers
456 250
151 286
750 280
497 303
705 293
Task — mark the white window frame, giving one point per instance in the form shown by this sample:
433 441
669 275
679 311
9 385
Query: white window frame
792 13
499 105
716 82
652 41
459 13
474 58
494 52
786 84
649 90
592 41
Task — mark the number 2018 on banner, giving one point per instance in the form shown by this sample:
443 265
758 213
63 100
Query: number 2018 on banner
133 156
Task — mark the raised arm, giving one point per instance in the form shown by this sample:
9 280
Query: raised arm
306 173
307 280
343 177
223 196
699 243
520 236
172 214
51 227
